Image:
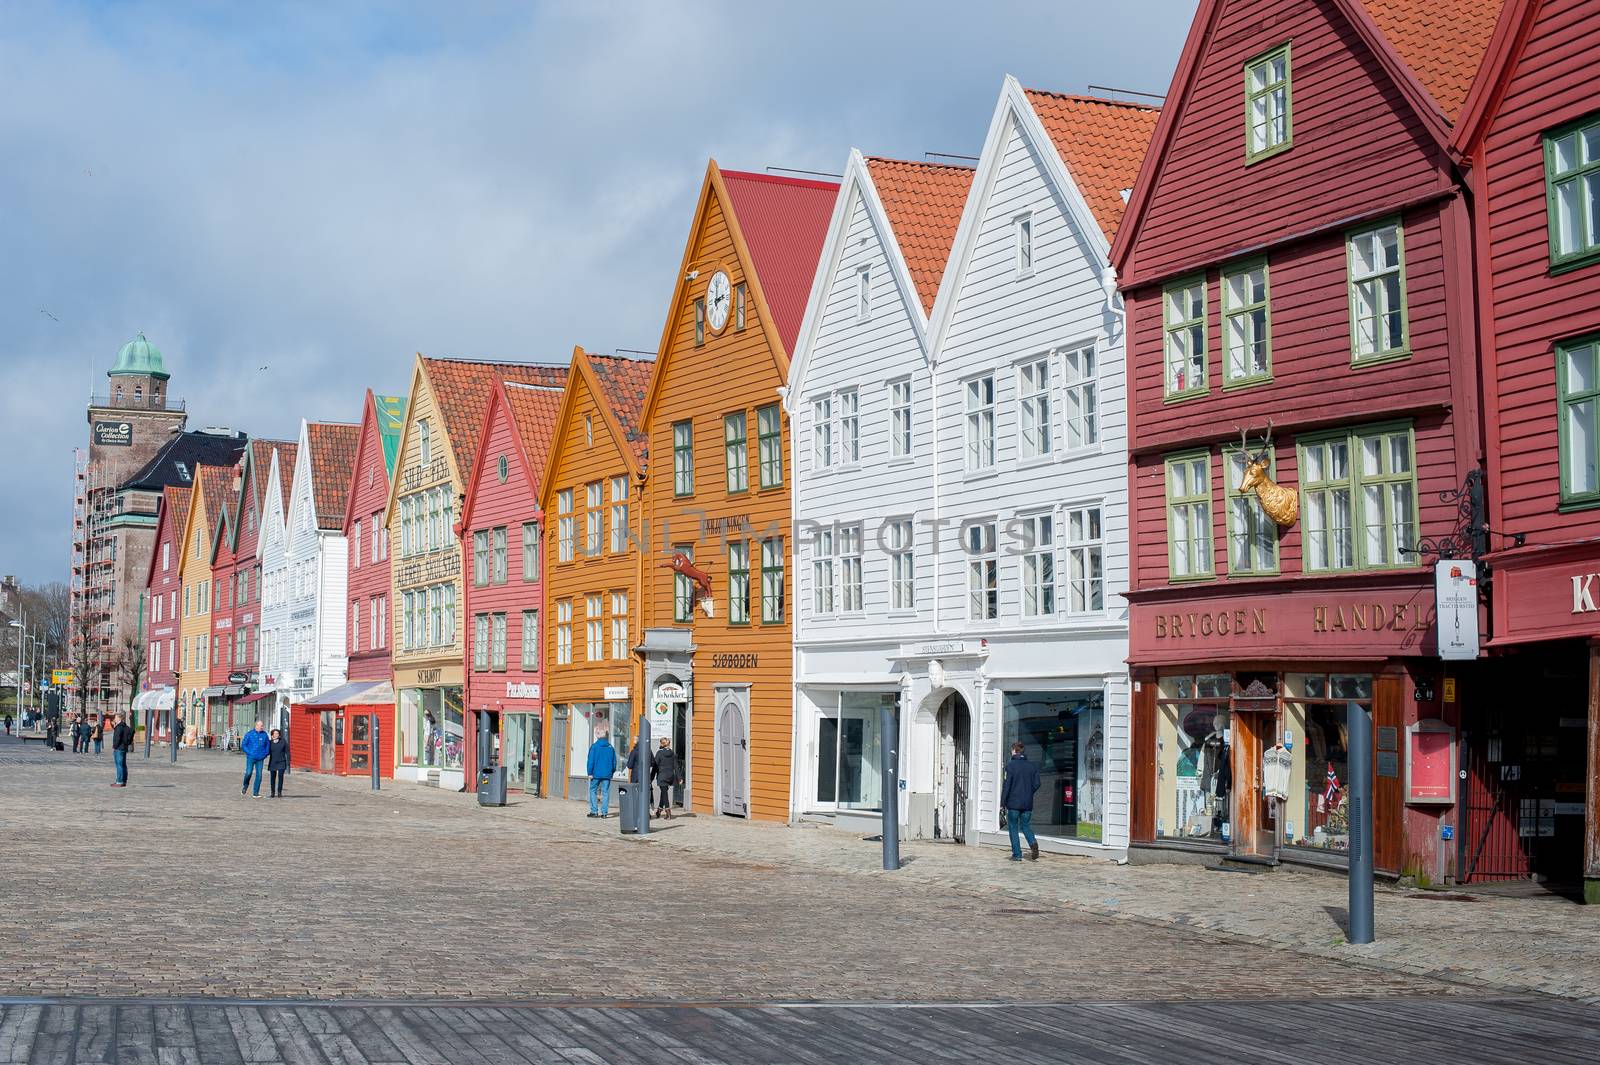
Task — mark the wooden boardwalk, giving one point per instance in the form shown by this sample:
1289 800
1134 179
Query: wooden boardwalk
1275 1032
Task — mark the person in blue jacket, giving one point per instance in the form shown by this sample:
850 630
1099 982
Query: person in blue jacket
255 745
602 765
1016 798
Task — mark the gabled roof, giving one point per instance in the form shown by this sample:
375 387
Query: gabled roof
784 221
532 411
173 512
257 462
287 453
923 203
390 412
461 390
1102 142
1442 41
177 460
333 454
622 385
1506 45
214 482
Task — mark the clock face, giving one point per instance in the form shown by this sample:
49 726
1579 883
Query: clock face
719 299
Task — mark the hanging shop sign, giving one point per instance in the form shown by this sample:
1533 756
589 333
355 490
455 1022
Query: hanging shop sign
1430 763
663 717
671 691
1455 584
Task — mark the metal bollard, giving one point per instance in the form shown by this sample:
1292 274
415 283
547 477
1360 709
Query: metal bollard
172 731
377 748
642 745
149 727
889 737
1359 721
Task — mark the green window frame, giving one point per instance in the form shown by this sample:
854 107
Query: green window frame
769 445
1246 323
1375 264
1268 105
738 582
683 587
1183 316
1578 396
736 452
772 581
1572 193
1188 486
1358 498
1252 534
683 458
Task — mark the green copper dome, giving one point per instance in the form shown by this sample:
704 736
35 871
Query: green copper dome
139 358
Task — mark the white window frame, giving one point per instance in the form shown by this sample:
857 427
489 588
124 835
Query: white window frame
1034 393
979 422
979 541
901 442
847 403
822 433
823 602
849 555
1080 391
1038 591
619 626
1084 544
901 545
566 527
1022 244
564 632
863 293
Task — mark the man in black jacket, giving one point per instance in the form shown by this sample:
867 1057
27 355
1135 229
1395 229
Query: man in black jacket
665 767
121 744
1016 798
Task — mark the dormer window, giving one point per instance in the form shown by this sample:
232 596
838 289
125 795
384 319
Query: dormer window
1268 127
863 293
1022 242
425 437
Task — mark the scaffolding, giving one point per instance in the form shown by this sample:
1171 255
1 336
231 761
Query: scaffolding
94 585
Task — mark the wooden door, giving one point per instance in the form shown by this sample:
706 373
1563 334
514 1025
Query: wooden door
556 774
733 754
360 744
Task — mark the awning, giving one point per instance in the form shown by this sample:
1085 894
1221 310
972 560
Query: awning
156 699
214 693
256 698
355 693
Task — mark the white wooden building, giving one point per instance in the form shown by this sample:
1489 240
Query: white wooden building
273 550
314 632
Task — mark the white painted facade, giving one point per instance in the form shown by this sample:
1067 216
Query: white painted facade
1001 353
314 633
273 549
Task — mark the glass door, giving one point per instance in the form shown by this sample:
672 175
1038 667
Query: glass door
849 753
326 762
360 744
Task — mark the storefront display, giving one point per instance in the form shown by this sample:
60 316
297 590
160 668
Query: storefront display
432 728
1194 770
850 751
1063 733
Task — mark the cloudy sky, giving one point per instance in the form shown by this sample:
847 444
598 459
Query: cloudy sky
324 189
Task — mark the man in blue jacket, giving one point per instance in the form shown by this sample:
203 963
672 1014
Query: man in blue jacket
1016 798
602 765
255 745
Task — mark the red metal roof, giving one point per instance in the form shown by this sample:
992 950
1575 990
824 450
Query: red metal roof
333 455
924 203
1442 41
784 221
461 390
1102 142
624 384
534 410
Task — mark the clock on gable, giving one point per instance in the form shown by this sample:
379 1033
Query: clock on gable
719 301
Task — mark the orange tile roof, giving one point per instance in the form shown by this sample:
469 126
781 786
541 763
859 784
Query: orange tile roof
333 456
1102 142
261 464
534 410
287 453
924 203
623 386
1442 41
461 390
176 500
215 484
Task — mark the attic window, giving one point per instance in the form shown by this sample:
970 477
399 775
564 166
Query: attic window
699 323
1125 194
1268 127
863 293
502 469
739 291
1022 239
588 431
425 436
183 470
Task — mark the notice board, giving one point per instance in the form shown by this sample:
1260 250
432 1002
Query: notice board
1430 764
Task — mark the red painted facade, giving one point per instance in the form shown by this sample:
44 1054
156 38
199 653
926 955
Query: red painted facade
368 557
164 590
222 588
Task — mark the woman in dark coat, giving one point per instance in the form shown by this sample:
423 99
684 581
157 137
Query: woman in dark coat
666 771
277 763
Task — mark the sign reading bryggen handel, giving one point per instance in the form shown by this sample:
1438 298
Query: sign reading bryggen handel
113 434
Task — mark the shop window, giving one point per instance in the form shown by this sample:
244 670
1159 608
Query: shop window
410 713
1315 730
1252 534
1194 777
849 750
1063 733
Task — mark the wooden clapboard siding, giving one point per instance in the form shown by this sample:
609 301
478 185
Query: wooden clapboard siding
165 586
368 581
222 567
209 488
274 550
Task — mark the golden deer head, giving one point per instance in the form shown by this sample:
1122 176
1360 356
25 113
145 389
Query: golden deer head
1281 504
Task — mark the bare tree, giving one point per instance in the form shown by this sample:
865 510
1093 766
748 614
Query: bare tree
49 610
83 656
130 665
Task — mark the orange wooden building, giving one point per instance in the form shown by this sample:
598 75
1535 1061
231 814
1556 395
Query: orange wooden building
717 666
589 496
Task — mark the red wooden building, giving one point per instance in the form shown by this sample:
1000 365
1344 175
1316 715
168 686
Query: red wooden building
1296 258
163 592
244 585
500 523
1529 138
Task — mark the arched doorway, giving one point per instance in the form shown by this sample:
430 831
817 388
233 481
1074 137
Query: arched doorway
953 772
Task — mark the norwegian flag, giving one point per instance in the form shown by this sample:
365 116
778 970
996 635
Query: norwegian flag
1330 794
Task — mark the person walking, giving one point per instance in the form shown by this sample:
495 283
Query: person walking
602 766
277 763
1016 798
99 733
121 744
8 724
77 733
256 745
177 732
665 766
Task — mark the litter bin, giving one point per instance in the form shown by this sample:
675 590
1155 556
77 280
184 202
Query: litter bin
492 786
627 809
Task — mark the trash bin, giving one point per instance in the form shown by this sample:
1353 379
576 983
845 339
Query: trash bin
627 809
492 786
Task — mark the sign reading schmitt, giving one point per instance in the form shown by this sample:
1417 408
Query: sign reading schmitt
1455 588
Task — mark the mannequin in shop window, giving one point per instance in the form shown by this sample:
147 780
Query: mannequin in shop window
1216 779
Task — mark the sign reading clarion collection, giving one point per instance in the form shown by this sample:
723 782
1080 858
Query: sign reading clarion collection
113 434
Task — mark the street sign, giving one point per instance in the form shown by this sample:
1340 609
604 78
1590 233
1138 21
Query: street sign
63 678
1455 589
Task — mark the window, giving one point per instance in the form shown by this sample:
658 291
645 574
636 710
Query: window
480 557
564 632
594 533
355 626
1377 294
1184 318
530 640
822 572
449 615
375 638
849 750
902 565
769 442
1022 243
740 294
497 654
1063 733
1360 498
166 556
619 626
682 458
425 438
1189 515
480 642
380 539
1246 324
594 648
900 418
1572 192
1038 565
1268 126
1081 395
983 571
850 569
619 514
863 293
1086 575
588 432
772 581
683 588
979 393
435 617
1578 392
736 452
699 323
1033 403
530 551
1252 535
383 621
738 582
822 432
497 555
566 526
849 427
356 554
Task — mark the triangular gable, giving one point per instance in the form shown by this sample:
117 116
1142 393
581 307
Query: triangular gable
1504 50
530 412
223 534
275 515
171 514
460 389
419 381
389 411
584 380
252 484
377 418
332 451
1102 144
783 221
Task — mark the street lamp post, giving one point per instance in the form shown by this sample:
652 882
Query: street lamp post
21 638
